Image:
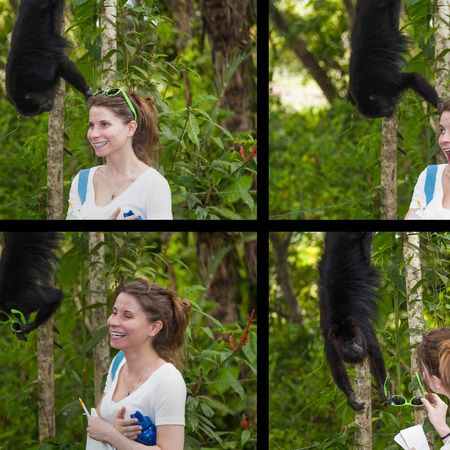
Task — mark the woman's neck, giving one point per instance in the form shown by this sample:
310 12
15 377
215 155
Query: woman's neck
139 361
117 166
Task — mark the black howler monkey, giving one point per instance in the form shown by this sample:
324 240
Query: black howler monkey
376 79
347 308
37 58
25 272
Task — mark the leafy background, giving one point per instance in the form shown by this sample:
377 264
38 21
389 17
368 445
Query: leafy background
220 376
209 179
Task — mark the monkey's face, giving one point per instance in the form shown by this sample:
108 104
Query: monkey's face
353 351
373 105
31 104
349 342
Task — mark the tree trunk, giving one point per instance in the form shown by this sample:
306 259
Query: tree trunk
99 314
228 31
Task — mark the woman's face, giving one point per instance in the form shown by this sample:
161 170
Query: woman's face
444 136
128 324
107 133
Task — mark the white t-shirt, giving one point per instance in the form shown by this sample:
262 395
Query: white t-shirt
162 397
148 196
434 209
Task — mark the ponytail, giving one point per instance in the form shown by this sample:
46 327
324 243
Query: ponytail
146 136
181 310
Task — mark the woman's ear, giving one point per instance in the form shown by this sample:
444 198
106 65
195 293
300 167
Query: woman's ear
155 328
436 383
132 126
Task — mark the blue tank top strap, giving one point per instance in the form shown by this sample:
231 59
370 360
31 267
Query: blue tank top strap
116 362
430 182
82 184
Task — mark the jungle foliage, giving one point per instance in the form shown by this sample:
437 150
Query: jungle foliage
306 407
219 360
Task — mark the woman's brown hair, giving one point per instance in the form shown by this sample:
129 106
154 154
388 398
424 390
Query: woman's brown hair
146 137
445 106
164 305
434 356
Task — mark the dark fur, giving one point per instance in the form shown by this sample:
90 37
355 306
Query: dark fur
37 58
25 272
376 79
348 308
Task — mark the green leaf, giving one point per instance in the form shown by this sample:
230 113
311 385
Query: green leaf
193 129
188 182
201 213
246 197
218 141
204 98
236 385
191 289
208 332
98 336
163 31
245 436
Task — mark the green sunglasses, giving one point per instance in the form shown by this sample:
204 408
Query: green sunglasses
13 321
399 400
113 93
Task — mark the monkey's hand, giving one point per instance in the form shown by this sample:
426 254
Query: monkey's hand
386 398
88 93
353 403
20 331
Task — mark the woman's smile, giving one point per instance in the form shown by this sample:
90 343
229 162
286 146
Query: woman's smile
116 335
99 145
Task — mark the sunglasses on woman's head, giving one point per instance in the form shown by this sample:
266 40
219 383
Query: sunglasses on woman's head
114 92
399 400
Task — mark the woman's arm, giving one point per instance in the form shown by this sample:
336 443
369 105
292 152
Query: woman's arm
99 403
437 412
409 212
101 430
168 437
74 200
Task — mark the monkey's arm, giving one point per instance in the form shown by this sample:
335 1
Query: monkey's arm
377 366
421 85
53 298
70 72
25 274
340 376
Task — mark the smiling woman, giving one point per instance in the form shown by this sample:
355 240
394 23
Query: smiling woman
122 129
431 197
148 324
